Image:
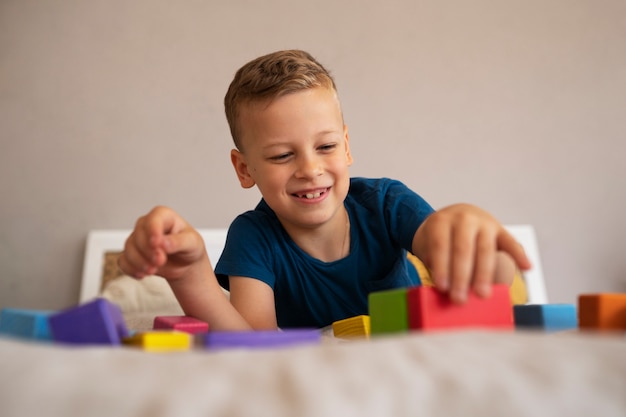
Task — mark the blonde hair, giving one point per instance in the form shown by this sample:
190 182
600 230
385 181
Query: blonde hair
269 77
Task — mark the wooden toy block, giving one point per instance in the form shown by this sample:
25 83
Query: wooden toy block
388 311
25 324
97 322
259 339
161 341
353 327
548 317
181 323
430 309
603 311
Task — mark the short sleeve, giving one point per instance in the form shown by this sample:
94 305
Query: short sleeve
248 250
405 211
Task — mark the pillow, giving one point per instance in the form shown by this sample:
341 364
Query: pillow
151 294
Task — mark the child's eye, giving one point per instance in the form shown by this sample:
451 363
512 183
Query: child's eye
328 147
280 158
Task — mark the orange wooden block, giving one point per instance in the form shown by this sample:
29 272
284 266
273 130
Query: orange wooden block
604 311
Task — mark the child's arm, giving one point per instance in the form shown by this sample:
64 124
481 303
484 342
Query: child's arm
162 243
254 300
464 246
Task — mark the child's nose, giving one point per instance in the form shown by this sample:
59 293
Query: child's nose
309 166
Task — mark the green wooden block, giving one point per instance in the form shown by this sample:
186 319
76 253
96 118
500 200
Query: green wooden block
388 311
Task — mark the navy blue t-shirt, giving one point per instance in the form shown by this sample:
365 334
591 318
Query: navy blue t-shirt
384 215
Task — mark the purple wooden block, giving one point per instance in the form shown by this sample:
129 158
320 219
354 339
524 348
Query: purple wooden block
260 339
98 322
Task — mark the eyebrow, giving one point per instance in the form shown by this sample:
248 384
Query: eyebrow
322 133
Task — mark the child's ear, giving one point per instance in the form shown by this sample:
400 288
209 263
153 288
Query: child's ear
241 168
347 141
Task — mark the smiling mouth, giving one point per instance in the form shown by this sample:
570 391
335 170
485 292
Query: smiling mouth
312 195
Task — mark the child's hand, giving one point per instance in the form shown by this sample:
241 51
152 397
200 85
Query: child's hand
464 246
162 243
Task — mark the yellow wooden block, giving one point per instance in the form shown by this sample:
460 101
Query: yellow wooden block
518 291
422 271
353 327
160 341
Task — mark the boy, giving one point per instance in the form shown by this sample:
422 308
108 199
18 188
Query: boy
319 241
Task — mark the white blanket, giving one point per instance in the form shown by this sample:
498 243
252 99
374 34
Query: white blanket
471 373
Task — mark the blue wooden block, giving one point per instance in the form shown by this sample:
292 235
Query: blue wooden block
259 339
25 324
549 317
98 322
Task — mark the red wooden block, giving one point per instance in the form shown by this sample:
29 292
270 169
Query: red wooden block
431 310
181 323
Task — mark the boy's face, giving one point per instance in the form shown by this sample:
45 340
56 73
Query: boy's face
296 151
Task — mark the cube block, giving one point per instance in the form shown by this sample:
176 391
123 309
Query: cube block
161 341
388 311
604 311
259 338
96 322
25 324
430 309
181 323
353 327
547 317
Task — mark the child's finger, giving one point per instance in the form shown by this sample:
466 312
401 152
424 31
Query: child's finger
132 262
186 241
484 264
140 240
152 230
163 221
438 256
153 227
508 244
462 262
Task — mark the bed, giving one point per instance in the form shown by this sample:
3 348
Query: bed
474 372
469 373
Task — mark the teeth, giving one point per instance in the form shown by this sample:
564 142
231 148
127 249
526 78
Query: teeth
312 195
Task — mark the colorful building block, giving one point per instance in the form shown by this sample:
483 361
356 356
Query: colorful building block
429 309
352 327
97 322
259 338
181 323
25 324
604 311
388 311
160 341
547 317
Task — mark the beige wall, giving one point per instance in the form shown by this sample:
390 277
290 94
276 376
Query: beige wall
110 107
